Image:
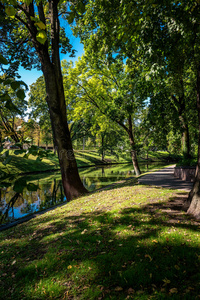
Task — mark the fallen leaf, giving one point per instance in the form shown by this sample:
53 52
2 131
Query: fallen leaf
173 290
166 281
69 267
118 289
131 291
177 267
147 255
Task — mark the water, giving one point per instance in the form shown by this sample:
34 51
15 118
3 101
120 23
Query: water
50 191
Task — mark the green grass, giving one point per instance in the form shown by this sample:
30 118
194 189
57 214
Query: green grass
18 164
163 156
127 242
85 158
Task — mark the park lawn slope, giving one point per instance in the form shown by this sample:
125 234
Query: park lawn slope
19 164
127 242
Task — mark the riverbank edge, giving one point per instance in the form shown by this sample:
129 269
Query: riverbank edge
89 166
35 214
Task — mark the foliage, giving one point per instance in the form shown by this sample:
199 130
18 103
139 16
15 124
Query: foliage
162 35
192 162
110 94
12 104
40 23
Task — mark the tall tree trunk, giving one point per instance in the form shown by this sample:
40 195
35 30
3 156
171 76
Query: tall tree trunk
194 195
51 67
102 147
83 143
72 184
186 142
133 150
185 138
180 105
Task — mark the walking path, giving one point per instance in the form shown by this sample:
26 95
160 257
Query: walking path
165 178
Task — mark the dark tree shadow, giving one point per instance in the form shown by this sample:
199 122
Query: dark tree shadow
133 255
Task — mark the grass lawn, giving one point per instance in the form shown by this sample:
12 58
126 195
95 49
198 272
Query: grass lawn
162 156
128 242
18 164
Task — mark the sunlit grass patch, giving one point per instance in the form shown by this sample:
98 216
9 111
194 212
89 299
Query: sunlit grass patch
127 242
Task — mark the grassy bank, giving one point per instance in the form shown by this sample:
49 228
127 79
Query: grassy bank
129 242
18 164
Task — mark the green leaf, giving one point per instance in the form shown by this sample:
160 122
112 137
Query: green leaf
17 152
19 185
12 107
32 187
15 85
18 144
5 97
4 184
23 83
80 8
41 37
33 19
3 60
33 147
7 81
20 94
10 11
41 25
33 152
13 2
71 17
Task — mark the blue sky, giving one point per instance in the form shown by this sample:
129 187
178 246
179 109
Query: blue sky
30 76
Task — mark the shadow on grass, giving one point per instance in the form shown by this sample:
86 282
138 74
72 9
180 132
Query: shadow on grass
139 253
90 158
25 165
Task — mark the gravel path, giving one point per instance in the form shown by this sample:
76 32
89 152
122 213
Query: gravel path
165 178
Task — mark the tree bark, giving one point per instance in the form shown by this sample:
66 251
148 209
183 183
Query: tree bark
181 109
133 150
72 184
51 67
194 195
185 138
102 147
9 129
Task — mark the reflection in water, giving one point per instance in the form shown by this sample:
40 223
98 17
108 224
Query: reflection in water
50 193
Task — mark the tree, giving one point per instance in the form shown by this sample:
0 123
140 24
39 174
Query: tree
78 128
13 104
39 109
154 28
112 90
39 22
